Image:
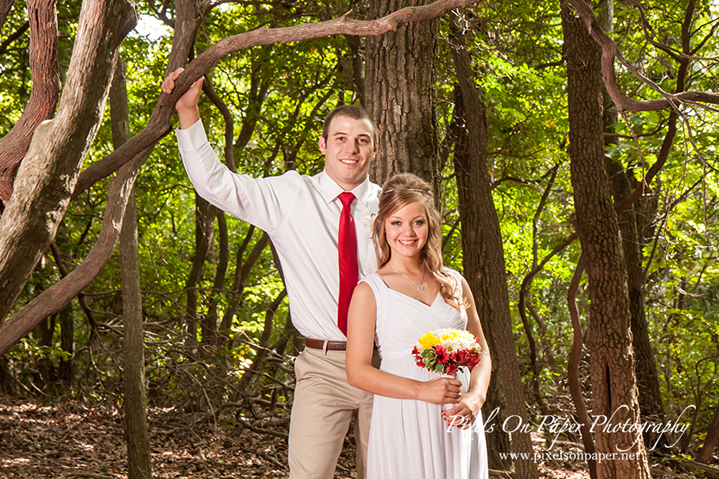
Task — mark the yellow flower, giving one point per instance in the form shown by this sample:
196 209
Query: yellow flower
450 336
427 341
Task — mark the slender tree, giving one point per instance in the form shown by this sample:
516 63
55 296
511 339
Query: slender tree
136 432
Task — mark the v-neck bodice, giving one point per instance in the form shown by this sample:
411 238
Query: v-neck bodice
402 319
400 293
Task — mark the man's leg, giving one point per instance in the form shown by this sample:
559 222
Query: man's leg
321 413
362 423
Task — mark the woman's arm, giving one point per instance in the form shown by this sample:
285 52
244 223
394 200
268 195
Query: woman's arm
361 321
471 402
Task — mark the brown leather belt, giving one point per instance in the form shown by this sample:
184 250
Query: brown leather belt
330 345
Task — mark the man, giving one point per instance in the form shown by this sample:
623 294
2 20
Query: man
316 224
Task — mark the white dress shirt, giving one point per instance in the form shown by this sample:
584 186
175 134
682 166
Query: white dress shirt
301 215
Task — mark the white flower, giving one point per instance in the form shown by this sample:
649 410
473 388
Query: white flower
368 221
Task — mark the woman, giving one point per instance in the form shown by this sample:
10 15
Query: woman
412 434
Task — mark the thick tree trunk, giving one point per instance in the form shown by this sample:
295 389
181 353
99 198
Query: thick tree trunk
483 251
49 171
474 262
650 395
614 390
399 89
138 438
45 89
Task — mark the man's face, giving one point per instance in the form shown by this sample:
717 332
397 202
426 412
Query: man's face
348 150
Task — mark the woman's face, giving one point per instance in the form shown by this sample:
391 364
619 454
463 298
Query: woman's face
407 230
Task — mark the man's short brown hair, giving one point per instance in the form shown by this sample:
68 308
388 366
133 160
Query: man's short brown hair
352 111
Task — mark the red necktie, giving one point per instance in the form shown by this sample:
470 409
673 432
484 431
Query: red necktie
347 246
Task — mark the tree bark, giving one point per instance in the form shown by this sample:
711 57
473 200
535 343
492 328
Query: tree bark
399 90
474 258
45 72
710 442
5 6
61 293
48 172
483 251
614 389
138 438
136 431
650 395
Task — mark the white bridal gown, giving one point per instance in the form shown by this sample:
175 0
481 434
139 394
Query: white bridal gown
408 438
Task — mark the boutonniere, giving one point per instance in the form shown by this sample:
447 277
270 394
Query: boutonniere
368 221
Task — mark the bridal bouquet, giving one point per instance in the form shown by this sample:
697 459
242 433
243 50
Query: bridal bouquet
446 350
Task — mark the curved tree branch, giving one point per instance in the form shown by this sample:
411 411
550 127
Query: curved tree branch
61 293
575 386
610 51
159 122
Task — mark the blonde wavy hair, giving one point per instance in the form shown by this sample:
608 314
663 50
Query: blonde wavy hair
399 191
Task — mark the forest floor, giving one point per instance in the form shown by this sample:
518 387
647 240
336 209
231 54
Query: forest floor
67 440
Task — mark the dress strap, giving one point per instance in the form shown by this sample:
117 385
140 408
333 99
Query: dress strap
379 288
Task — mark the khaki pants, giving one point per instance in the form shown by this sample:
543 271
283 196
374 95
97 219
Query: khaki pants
323 406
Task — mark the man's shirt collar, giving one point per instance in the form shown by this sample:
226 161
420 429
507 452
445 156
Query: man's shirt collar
331 190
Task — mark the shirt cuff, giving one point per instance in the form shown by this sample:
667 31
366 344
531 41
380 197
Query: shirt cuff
190 139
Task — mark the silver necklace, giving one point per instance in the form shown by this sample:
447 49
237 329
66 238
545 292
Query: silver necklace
421 288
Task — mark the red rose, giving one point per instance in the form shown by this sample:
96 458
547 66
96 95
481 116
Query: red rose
442 354
473 359
451 369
